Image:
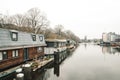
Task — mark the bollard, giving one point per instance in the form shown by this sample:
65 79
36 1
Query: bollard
20 76
68 50
27 67
27 71
18 70
56 57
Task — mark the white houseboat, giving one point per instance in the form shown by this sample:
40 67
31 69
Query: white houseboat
55 45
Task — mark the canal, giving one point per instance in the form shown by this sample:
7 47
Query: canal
87 62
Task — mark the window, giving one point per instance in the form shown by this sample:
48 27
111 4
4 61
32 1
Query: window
15 53
3 55
41 38
34 37
55 45
14 36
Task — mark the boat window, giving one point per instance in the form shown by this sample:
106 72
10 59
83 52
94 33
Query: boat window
15 53
41 38
14 36
34 37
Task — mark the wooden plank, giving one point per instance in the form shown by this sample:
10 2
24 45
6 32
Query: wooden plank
43 63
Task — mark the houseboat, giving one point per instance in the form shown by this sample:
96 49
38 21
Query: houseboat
71 44
17 47
55 45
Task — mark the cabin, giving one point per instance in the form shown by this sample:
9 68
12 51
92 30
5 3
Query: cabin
17 47
55 45
71 44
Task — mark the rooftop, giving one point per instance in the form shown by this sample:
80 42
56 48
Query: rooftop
24 39
56 40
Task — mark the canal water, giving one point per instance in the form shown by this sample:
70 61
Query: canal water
87 62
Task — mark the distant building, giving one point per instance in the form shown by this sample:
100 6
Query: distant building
117 38
105 37
110 37
85 39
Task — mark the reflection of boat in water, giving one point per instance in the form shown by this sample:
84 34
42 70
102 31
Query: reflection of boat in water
40 75
118 49
57 70
110 50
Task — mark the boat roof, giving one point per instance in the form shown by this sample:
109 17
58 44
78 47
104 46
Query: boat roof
24 40
56 40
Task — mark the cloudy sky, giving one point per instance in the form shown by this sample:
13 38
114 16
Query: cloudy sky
83 17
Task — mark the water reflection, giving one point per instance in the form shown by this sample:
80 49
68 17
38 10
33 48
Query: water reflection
57 70
39 75
44 74
110 50
88 64
85 45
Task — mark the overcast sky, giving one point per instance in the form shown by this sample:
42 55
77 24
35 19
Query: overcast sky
83 17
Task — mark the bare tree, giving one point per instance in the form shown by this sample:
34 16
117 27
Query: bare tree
58 29
10 20
4 20
37 20
1 20
48 32
19 20
72 36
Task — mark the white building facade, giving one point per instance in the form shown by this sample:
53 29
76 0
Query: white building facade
110 37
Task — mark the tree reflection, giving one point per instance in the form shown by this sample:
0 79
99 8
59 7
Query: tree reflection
85 45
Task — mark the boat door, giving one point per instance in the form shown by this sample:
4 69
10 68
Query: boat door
26 55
